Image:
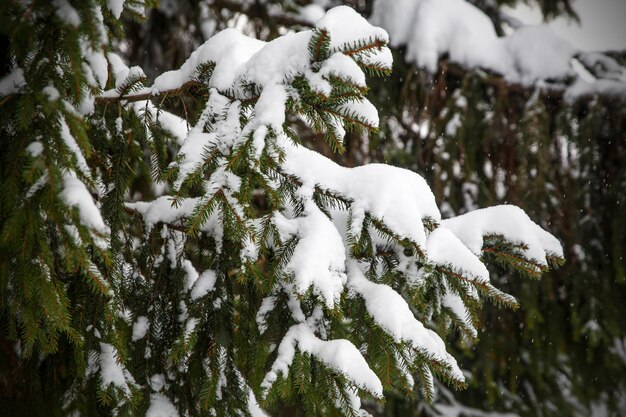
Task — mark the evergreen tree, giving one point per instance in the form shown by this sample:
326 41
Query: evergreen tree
480 138
154 264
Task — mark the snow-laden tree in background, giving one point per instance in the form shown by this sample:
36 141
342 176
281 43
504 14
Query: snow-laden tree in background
244 268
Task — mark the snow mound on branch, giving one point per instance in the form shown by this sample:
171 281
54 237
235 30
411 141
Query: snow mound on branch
161 406
228 49
391 312
75 194
325 270
163 211
537 53
340 355
347 27
512 223
279 59
399 197
12 83
111 372
241 61
444 248
430 29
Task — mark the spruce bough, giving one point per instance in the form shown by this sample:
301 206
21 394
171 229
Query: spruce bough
210 264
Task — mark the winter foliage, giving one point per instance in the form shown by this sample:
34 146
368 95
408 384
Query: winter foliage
213 264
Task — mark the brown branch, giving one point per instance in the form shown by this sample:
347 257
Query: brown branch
190 88
519 261
351 120
377 44
319 43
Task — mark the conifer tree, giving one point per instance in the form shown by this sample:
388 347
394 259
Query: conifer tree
480 139
160 265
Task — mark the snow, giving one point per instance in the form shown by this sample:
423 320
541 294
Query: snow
382 59
598 87
531 54
51 92
321 263
204 284
98 64
161 210
253 406
161 406
111 372
392 313
537 53
444 249
122 74
228 49
361 110
70 142
312 13
157 382
173 124
66 13
270 108
190 326
340 355
319 257
191 275
241 61
458 308
431 29
399 197
346 27
75 194
278 60
509 221
12 83
116 7
192 152
140 328
35 149
267 305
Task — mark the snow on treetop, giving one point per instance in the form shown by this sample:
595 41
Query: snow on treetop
228 50
240 60
347 27
280 59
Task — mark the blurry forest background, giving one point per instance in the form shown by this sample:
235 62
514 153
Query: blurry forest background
481 139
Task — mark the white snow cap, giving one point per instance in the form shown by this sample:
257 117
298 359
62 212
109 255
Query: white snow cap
75 194
391 312
346 27
399 197
341 355
512 223
319 257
